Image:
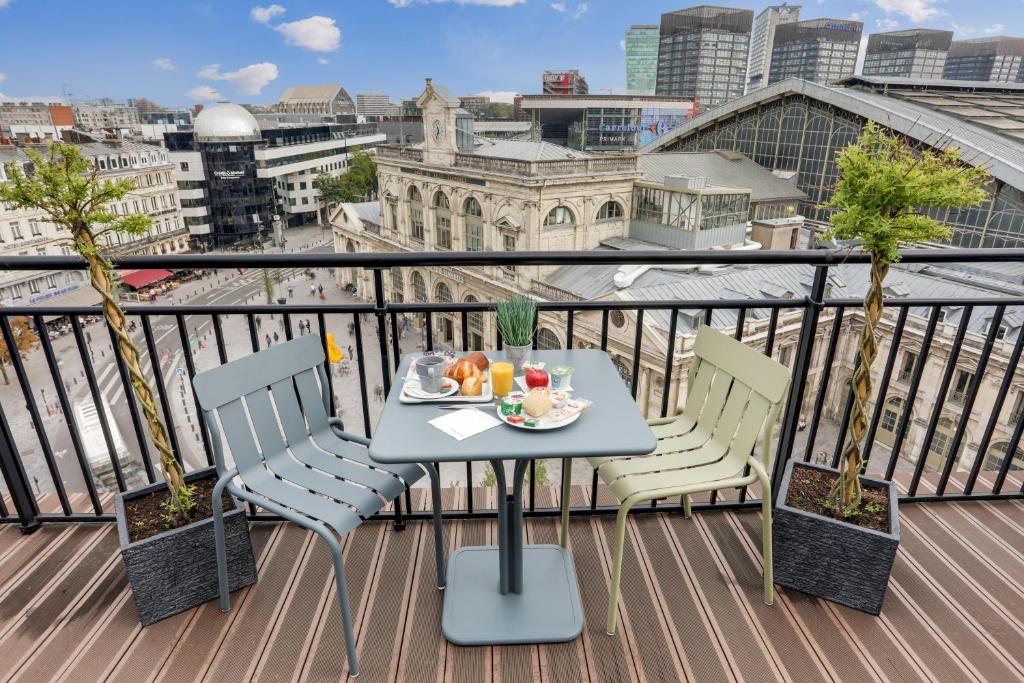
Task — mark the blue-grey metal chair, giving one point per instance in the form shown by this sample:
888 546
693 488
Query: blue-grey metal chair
292 458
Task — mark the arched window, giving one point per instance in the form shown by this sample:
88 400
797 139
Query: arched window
350 247
997 454
560 215
419 288
397 286
442 294
444 324
474 225
442 221
475 326
890 420
546 339
415 215
610 210
940 447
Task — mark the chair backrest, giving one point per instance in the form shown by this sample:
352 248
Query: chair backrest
734 391
257 392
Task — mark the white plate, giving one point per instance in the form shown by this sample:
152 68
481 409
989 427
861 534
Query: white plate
543 426
413 389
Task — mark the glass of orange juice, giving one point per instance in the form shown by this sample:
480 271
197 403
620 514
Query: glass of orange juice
501 375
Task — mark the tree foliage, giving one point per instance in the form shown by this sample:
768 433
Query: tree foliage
25 339
65 185
358 184
884 186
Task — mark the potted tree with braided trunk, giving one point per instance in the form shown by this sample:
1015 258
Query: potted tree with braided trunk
166 528
835 531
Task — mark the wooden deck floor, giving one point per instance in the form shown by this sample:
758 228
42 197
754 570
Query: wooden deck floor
691 608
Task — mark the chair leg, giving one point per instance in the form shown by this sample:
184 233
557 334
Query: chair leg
687 511
435 496
218 536
346 617
620 540
766 543
566 490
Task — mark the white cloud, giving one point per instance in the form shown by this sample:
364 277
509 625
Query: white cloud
164 64
316 33
249 80
487 3
3 77
963 30
886 24
203 92
323 60
563 8
916 10
994 29
263 15
858 16
498 95
622 44
4 3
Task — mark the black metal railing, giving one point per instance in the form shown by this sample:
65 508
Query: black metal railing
61 460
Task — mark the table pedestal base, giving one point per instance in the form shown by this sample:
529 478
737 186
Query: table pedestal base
546 611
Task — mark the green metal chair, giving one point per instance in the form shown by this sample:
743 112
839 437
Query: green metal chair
734 394
294 460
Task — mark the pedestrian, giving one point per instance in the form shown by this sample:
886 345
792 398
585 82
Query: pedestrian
309 330
259 322
321 289
302 329
268 340
275 336
350 351
312 290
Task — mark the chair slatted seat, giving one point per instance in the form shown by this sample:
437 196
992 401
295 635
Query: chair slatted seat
734 394
290 457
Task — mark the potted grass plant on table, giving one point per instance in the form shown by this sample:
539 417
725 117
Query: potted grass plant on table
166 528
517 320
836 531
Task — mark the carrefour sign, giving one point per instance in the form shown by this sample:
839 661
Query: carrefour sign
656 128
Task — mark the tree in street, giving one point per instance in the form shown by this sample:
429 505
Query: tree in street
358 184
25 339
66 186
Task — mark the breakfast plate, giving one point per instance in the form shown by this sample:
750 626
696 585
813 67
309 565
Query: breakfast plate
544 423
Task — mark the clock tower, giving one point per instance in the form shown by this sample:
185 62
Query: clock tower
439 131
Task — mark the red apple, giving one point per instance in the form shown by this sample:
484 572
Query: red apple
536 377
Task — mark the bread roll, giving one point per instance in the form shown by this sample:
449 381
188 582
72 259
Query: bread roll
537 402
478 359
463 369
472 386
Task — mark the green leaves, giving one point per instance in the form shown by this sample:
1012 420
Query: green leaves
65 185
516 319
884 185
358 184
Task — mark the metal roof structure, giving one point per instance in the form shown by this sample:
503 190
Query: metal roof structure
526 150
312 93
730 171
1000 153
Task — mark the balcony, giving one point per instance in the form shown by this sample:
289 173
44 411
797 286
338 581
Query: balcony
611 164
690 606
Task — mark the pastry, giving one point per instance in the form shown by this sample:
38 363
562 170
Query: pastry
472 385
537 402
478 359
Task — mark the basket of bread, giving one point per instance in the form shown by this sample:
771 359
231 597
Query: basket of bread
467 379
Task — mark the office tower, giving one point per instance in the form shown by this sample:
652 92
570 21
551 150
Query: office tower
641 59
762 39
818 50
997 58
913 53
702 53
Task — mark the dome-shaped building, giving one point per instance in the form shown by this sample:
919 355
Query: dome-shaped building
224 122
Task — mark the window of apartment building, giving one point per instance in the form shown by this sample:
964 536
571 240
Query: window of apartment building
51 281
474 225
1017 409
560 215
33 228
184 166
33 287
397 285
785 354
442 221
393 214
291 187
907 366
415 215
305 200
610 210
961 384
508 243
16 230
302 185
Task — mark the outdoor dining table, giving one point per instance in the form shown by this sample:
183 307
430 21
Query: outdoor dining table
515 593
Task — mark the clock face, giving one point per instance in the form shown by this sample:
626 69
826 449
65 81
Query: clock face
438 130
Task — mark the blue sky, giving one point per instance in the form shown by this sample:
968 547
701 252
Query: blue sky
181 51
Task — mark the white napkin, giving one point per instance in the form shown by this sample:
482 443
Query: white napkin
462 424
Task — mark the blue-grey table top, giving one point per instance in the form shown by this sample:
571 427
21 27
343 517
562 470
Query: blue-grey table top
612 425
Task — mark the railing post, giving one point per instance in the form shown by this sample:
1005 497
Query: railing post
380 309
805 347
17 481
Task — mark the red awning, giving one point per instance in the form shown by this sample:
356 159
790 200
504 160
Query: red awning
142 278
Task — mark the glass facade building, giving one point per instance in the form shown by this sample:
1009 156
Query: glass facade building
641 59
801 134
702 54
762 39
818 50
916 53
997 58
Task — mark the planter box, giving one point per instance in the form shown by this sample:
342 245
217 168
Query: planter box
177 570
830 558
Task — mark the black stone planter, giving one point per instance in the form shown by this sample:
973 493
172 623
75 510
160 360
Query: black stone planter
177 570
830 558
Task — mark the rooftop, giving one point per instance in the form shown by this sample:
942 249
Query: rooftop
725 170
526 150
311 93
